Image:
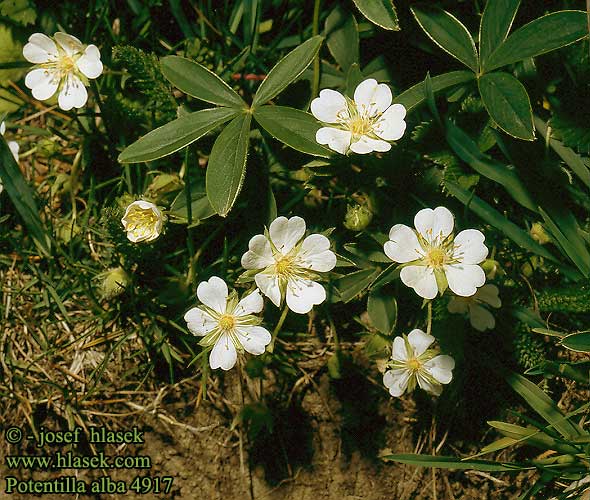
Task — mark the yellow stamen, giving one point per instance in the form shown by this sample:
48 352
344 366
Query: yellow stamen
359 126
436 257
283 265
227 322
414 364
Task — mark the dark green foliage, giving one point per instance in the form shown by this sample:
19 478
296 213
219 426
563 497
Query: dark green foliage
566 300
529 348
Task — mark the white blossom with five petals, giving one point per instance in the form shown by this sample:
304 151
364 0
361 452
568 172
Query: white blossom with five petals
142 221
362 125
289 264
435 259
479 316
412 362
64 63
226 323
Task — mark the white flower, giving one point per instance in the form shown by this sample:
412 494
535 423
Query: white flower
480 317
143 221
227 324
362 125
436 258
412 362
63 63
12 145
289 264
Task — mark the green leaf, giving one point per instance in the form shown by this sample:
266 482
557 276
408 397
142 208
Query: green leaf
342 37
175 135
579 342
543 405
547 33
352 284
448 33
20 11
197 81
382 310
508 104
11 51
227 164
496 22
466 149
568 155
453 463
292 127
287 70
379 12
499 221
200 206
416 94
23 198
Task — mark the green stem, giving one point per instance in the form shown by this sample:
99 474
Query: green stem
316 62
429 325
189 216
277 329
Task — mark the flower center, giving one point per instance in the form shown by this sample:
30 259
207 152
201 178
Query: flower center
359 126
436 257
227 322
283 265
414 364
66 65
143 218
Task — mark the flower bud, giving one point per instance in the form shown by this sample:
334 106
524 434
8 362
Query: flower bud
539 234
143 221
357 217
114 282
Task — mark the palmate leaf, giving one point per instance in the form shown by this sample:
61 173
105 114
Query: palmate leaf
227 164
496 22
508 103
23 198
379 12
175 135
547 33
382 310
448 33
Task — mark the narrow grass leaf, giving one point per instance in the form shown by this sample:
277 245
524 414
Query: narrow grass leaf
416 95
547 33
448 33
287 70
454 463
227 164
292 127
23 198
579 342
175 135
508 103
496 22
199 82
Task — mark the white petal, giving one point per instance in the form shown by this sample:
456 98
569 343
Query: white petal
391 126
336 139
286 233
250 304
433 224
224 354
259 254
269 286
69 43
254 338
14 148
403 245
480 318
303 294
469 247
330 107
441 368
213 294
89 64
489 294
366 145
40 49
42 82
421 279
428 386
396 381
464 278
315 254
398 350
420 341
73 94
199 322
458 305
2 128
372 98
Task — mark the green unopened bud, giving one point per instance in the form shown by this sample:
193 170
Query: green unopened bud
114 282
539 234
47 148
357 217
491 268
